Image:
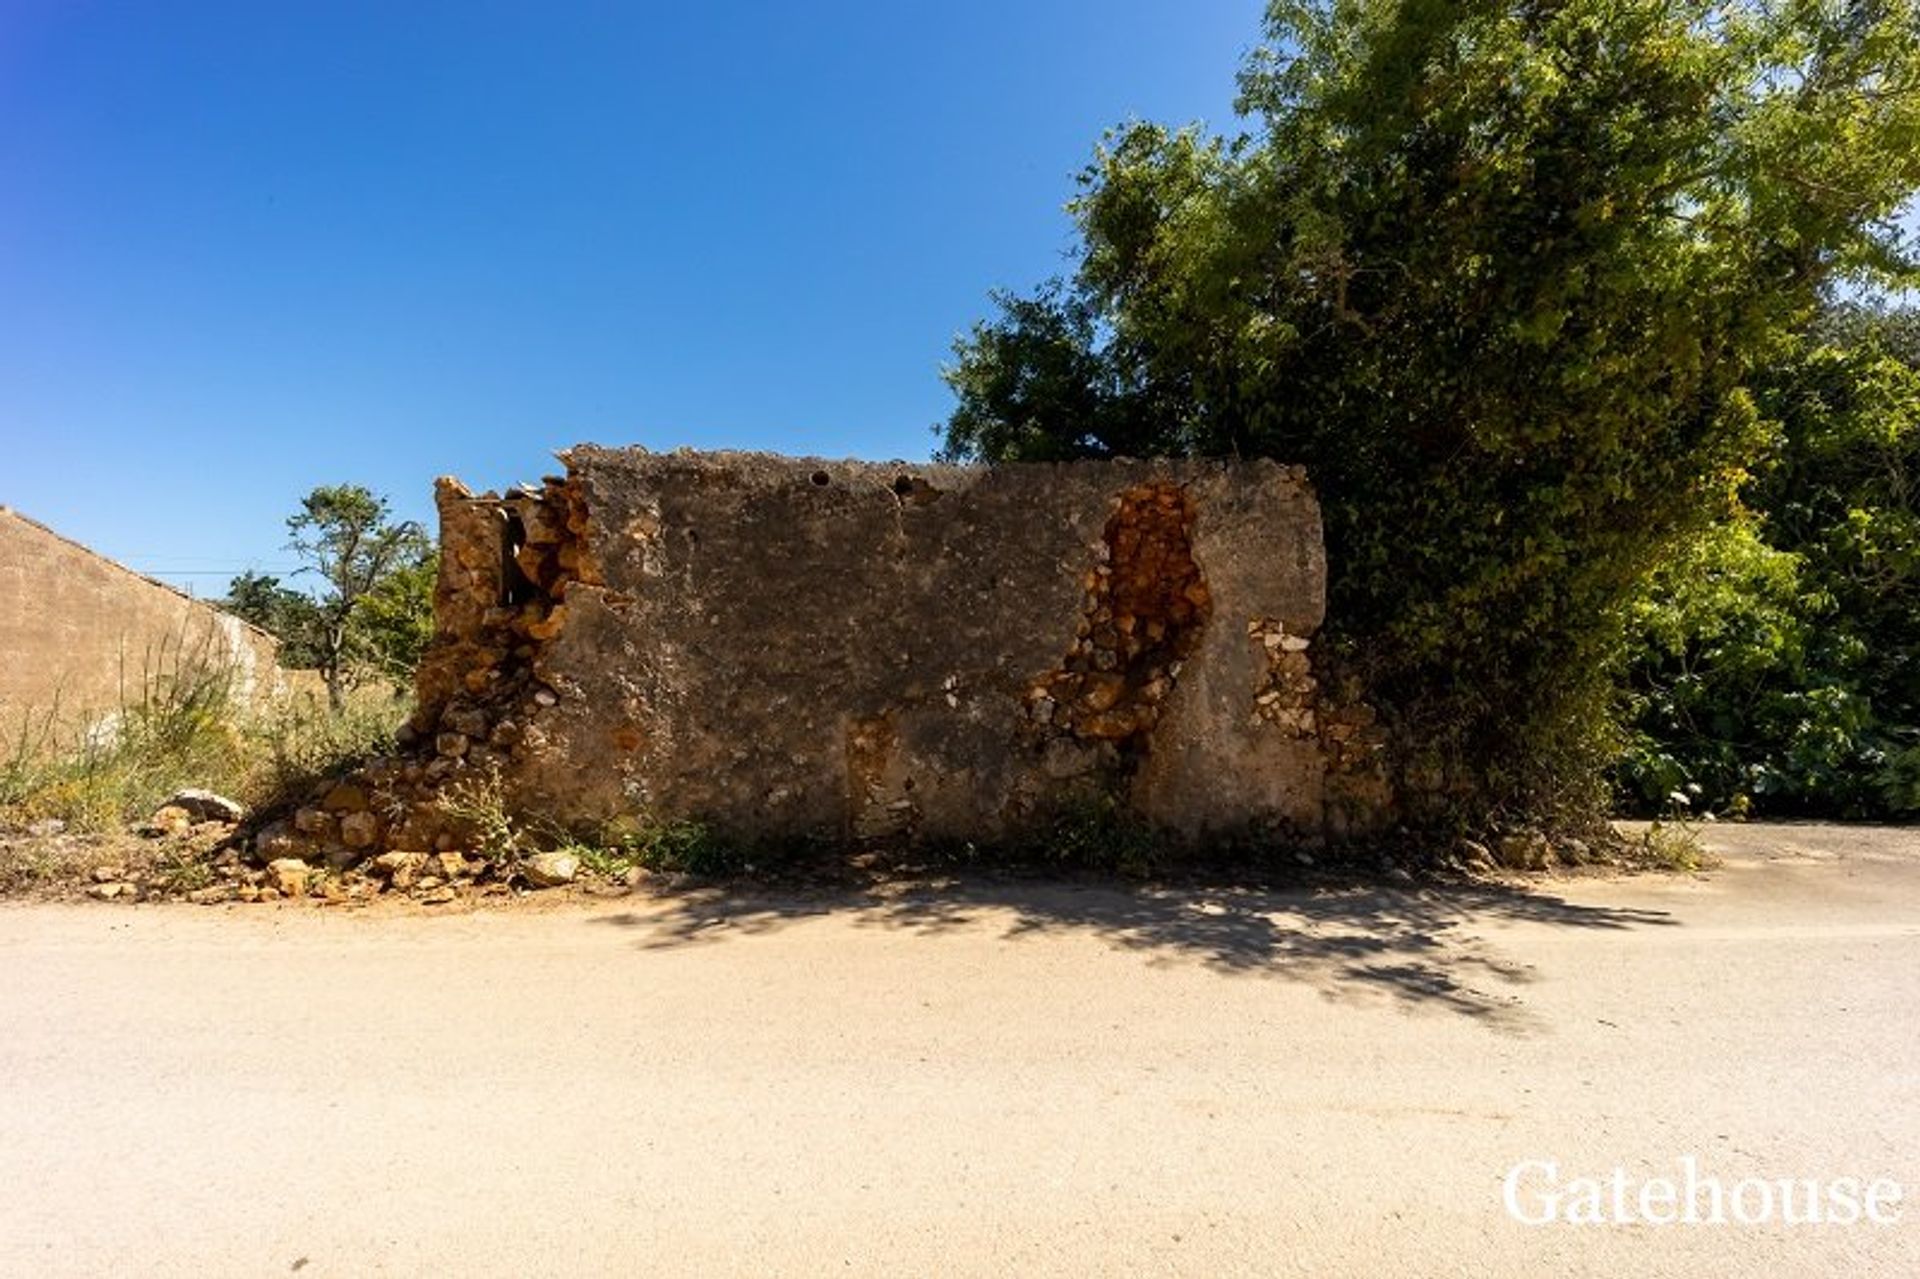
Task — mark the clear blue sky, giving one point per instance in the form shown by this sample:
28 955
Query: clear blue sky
247 248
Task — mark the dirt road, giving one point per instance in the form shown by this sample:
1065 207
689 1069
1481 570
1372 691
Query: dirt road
995 1080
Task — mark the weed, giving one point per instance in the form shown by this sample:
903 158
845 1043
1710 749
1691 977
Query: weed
1674 845
478 803
682 847
1099 834
180 724
181 870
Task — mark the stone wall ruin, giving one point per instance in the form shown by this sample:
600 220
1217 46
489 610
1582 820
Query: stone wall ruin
793 648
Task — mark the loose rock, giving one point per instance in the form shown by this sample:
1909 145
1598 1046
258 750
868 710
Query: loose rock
207 806
1527 850
168 819
289 875
359 830
316 822
347 797
400 869
550 870
275 842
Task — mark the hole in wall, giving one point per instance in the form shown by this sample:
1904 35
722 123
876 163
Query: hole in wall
821 478
516 588
1147 606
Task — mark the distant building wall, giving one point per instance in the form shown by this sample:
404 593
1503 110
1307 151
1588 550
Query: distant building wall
80 633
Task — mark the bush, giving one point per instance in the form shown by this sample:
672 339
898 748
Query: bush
1776 664
1507 279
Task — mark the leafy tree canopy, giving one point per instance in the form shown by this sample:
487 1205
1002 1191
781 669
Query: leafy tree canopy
372 609
1502 275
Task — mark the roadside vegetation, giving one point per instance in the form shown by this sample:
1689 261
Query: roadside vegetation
1570 312
182 722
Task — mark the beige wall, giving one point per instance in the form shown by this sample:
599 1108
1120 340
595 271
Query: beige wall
79 632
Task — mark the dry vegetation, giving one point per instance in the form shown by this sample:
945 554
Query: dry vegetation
91 779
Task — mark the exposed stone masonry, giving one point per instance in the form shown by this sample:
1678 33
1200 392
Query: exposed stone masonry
787 648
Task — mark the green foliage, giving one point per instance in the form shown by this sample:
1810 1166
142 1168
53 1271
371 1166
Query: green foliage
294 742
290 616
1502 276
478 803
682 846
1100 835
391 625
374 608
1779 663
1672 845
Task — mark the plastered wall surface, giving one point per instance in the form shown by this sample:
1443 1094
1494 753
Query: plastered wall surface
790 647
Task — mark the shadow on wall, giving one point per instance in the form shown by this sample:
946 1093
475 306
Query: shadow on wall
1362 946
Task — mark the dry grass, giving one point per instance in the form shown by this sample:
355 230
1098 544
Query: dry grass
179 728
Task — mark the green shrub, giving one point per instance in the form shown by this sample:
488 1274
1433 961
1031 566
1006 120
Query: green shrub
1507 278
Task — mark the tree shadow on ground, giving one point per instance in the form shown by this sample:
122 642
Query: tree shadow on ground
1418 947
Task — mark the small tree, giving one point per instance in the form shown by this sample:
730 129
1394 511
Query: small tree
347 536
1506 277
290 616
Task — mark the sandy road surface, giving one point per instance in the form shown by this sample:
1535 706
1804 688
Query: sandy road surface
1004 1079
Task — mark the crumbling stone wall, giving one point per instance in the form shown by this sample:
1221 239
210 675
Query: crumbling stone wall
790 648
81 634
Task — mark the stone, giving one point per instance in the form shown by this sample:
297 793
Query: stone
211 896
46 828
438 897
266 895
549 870
316 823
1474 854
454 865
1526 850
359 830
275 841
466 721
208 806
347 797
108 892
108 874
289 875
167 820
399 869
451 745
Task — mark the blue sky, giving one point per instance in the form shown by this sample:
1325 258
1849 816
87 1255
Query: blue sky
249 248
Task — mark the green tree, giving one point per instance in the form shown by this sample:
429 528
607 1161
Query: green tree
288 615
1778 665
1501 275
392 624
367 564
